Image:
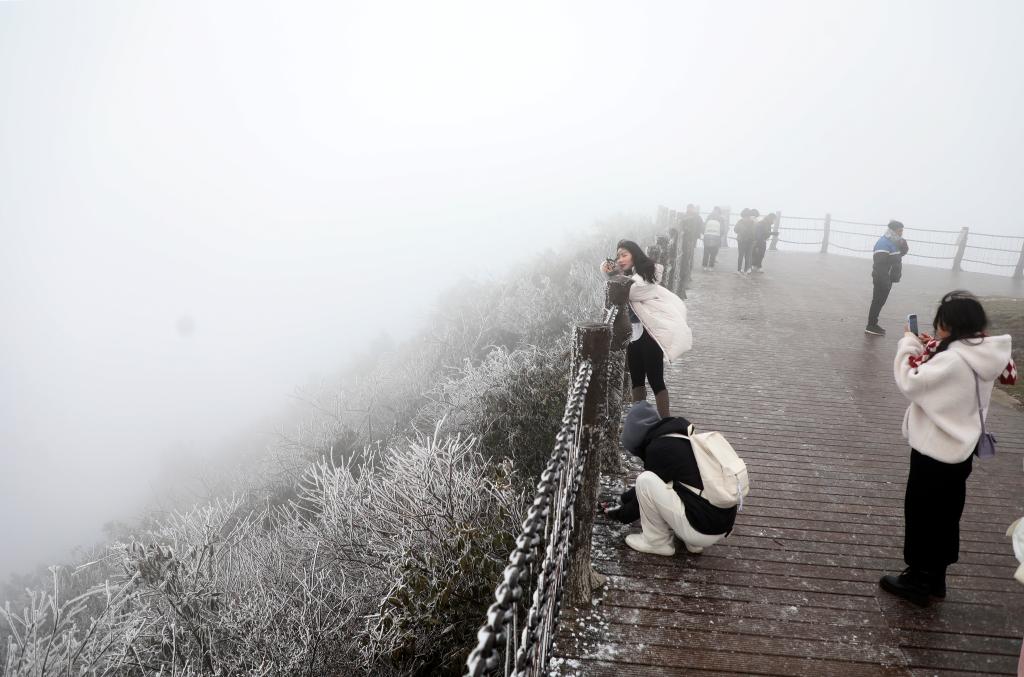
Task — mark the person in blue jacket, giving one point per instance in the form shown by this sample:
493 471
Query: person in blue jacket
886 268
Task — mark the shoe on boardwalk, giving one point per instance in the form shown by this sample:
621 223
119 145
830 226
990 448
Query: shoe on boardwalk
640 544
911 585
874 330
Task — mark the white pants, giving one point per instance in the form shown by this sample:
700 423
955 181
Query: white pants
662 514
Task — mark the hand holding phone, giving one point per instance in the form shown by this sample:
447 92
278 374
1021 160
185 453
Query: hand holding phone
912 324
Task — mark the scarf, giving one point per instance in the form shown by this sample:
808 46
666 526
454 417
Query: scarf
1008 377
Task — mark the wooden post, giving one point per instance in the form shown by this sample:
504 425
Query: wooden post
775 236
671 270
725 227
665 261
616 294
961 246
679 261
1018 273
591 341
824 237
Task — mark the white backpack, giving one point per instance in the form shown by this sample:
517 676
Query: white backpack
722 471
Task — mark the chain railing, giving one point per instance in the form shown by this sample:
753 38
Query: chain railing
981 252
551 559
517 640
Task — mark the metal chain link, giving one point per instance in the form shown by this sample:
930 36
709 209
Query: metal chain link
548 524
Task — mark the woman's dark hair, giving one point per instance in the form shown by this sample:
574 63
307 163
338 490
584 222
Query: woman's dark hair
962 315
642 264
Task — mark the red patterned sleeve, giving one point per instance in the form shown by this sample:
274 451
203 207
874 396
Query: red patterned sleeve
1009 375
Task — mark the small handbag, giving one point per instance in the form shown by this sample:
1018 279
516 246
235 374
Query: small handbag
987 442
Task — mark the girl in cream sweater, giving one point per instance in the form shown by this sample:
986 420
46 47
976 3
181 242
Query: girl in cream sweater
944 378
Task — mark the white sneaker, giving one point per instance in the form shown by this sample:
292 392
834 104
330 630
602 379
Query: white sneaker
640 544
695 549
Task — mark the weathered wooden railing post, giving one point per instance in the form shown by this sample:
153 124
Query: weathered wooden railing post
666 259
1018 272
616 295
672 270
592 340
775 235
824 237
678 282
961 247
726 215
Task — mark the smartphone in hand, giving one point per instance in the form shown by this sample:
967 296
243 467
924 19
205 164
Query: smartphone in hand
912 323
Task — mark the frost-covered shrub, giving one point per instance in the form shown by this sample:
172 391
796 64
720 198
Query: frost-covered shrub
383 567
513 400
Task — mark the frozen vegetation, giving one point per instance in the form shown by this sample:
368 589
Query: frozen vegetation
369 539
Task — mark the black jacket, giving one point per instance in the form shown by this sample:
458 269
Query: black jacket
671 459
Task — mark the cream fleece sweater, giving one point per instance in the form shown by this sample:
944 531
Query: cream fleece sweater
942 419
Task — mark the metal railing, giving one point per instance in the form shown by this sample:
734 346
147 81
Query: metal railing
515 639
961 249
551 559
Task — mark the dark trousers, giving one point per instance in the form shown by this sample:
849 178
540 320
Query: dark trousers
936 492
646 361
760 247
710 252
744 250
879 295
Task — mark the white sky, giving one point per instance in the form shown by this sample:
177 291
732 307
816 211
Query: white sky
297 178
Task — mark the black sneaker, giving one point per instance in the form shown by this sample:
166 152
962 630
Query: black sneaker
911 585
874 330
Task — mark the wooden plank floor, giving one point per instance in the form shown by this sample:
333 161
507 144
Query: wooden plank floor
781 365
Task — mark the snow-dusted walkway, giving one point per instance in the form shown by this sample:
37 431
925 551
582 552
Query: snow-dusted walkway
781 365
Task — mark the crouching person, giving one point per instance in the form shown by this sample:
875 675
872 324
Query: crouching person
667 504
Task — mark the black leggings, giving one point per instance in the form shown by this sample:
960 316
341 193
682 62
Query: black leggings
744 252
646 361
936 492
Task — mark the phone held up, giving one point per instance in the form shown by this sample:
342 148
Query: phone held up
912 323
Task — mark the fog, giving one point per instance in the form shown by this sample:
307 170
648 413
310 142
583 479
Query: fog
206 205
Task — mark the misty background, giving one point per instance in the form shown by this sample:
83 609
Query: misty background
204 206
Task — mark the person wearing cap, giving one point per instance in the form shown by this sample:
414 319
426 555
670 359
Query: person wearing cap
886 268
666 506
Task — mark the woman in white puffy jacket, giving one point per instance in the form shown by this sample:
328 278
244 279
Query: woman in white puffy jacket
658 316
948 380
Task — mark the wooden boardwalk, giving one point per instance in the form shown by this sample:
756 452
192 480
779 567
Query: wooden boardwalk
781 365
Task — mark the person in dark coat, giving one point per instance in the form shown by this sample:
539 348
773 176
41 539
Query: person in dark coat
745 239
763 231
886 268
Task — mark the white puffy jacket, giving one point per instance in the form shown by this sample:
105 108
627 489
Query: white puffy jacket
942 419
662 313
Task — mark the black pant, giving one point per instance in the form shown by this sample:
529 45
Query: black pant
710 252
760 247
879 295
936 492
744 250
646 361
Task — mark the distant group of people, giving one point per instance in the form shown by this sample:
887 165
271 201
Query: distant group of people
752 235
948 379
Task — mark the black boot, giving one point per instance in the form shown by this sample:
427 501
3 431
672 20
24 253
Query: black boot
912 585
937 584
